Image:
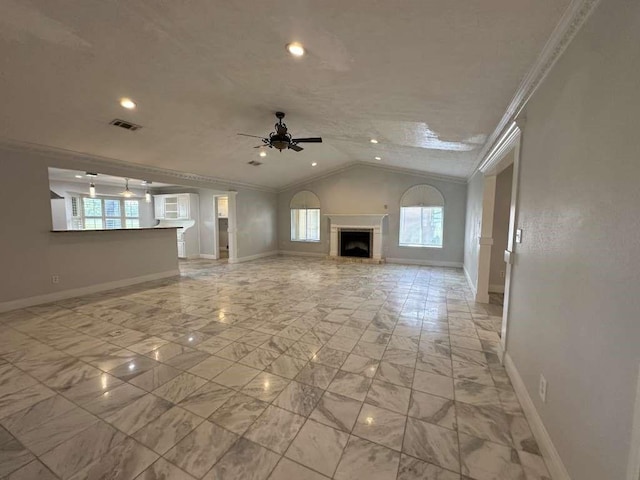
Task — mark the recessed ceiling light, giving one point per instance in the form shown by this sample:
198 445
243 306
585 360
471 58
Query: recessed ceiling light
128 103
373 140
314 164
78 176
263 153
378 158
296 49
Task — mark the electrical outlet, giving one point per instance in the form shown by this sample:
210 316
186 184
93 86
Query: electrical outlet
502 274
542 389
55 278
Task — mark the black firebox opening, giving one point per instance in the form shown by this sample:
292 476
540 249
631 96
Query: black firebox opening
355 243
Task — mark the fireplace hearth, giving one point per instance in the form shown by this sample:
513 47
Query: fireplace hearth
355 243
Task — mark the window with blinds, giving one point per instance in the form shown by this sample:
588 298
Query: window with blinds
109 213
305 217
422 217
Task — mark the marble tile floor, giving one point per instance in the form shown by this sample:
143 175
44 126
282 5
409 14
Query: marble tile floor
496 298
282 368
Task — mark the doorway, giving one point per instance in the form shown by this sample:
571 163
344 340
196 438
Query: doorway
500 235
222 222
499 204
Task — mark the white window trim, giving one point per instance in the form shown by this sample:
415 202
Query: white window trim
319 225
412 245
104 217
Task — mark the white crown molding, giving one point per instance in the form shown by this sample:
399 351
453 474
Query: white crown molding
388 168
504 144
94 162
573 18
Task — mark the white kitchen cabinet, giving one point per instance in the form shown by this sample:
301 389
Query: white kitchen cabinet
174 207
158 208
180 210
184 206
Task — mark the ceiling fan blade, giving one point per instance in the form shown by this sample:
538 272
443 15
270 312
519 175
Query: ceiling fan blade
307 140
254 136
295 148
262 146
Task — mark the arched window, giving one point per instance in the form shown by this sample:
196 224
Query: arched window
421 217
305 217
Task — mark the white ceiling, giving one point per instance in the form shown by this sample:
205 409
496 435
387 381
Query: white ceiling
71 176
429 79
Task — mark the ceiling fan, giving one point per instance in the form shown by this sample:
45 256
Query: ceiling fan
281 139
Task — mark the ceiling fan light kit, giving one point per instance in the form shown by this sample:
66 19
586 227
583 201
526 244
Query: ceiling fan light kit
281 139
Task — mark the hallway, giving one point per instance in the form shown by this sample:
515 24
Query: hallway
283 368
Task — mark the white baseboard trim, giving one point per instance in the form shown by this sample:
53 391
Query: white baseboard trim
471 285
426 263
78 292
208 256
253 257
556 468
496 288
301 254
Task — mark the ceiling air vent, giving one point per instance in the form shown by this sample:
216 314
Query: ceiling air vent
124 124
255 163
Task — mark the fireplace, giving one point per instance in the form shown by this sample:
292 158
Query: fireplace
367 228
355 242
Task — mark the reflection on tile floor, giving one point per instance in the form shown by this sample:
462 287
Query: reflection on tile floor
283 368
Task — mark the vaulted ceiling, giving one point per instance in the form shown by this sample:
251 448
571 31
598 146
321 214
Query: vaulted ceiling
429 79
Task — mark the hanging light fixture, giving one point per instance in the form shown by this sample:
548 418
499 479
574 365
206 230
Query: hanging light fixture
127 193
147 193
92 186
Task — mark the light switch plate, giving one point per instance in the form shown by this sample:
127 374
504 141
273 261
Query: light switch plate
519 235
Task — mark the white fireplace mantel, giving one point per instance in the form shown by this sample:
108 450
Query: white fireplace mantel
357 220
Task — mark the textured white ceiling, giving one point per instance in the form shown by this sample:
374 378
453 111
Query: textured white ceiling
70 176
429 79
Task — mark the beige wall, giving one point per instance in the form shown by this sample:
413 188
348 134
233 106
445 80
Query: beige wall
256 219
363 189
575 304
500 233
256 223
30 254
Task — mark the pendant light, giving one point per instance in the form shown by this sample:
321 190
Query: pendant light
92 185
147 193
127 193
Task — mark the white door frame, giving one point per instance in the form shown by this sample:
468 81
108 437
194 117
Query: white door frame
494 163
216 233
231 229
